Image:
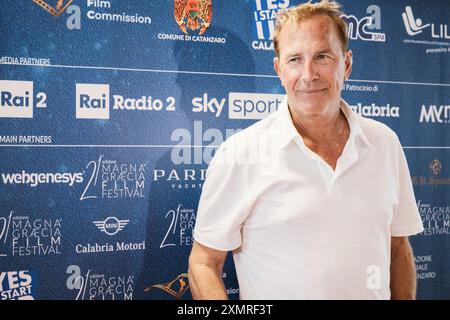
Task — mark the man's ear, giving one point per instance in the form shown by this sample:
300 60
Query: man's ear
276 66
348 64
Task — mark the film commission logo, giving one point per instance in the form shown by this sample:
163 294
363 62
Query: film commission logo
98 10
93 102
192 16
107 179
17 99
18 285
415 26
265 12
98 286
179 286
22 236
176 288
436 219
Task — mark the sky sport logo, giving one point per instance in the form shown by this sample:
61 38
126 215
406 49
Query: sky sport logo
111 225
92 101
253 106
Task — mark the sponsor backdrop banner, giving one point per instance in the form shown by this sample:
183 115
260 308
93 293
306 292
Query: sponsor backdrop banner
112 110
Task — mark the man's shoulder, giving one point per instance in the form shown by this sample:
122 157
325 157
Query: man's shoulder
257 140
376 131
255 133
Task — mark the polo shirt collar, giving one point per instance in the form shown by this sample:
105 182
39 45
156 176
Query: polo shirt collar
288 132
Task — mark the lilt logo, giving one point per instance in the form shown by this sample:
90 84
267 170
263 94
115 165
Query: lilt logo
412 25
111 225
16 99
415 26
92 101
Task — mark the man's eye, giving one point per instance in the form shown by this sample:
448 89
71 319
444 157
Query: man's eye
294 60
322 56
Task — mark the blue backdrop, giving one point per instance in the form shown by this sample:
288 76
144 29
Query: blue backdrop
110 114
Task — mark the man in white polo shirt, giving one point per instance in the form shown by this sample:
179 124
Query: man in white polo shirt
315 201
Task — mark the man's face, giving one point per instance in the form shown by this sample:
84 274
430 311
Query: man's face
312 66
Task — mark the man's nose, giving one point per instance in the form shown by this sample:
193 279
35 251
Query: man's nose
309 72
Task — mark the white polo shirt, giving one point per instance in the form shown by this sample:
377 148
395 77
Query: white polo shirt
298 229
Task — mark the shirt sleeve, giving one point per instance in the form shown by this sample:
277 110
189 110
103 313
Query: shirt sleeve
223 206
406 219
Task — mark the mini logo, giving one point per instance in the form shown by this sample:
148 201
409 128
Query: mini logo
16 99
413 26
193 14
60 6
435 167
111 225
92 101
176 288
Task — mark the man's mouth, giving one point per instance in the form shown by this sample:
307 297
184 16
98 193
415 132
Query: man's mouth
310 91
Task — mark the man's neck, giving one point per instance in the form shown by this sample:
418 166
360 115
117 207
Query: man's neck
320 128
